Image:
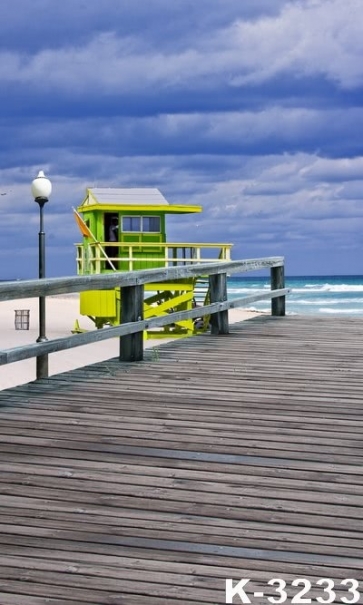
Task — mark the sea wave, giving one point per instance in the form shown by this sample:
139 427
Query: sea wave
243 290
326 301
330 288
306 289
351 311
255 309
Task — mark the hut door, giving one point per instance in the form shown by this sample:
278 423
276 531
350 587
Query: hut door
111 227
111 234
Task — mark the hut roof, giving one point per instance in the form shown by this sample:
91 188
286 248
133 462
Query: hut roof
147 199
124 195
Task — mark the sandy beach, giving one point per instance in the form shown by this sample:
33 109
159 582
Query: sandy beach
62 312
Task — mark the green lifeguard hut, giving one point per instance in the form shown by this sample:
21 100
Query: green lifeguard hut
124 229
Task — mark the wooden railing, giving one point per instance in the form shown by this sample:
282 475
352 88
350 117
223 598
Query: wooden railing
132 324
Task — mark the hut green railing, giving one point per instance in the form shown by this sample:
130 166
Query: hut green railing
132 325
129 256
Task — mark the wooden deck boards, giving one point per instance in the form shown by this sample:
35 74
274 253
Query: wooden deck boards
236 456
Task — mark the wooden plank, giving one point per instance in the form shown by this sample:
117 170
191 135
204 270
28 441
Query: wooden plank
94 482
163 428
228 434
338 483
150 529
308 449
188 459
138 486
195 529
115 573
21 599
277 453
267 561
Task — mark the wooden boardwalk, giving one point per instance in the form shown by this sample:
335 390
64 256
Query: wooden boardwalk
237 456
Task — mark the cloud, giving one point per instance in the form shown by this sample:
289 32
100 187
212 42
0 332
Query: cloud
274 130
342 169
163 23
307 38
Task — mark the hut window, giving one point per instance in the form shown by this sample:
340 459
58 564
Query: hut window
146 224
131 223
151 224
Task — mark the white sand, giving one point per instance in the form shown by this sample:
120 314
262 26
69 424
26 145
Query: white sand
61 313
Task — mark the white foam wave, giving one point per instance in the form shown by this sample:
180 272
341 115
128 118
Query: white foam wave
243 290
327 301
256 309
330 288
346 311
306 289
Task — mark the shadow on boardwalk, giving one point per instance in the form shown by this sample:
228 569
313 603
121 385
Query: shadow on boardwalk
217 457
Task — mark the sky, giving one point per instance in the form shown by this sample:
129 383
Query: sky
251 108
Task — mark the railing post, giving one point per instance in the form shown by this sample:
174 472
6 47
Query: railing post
175 256
218 293
277 282
97 260
132 309
184 255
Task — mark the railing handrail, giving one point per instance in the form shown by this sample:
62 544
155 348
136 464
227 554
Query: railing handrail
132 324
129 328
80 283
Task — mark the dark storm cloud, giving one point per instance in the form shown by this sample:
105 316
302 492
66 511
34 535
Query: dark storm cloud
274 130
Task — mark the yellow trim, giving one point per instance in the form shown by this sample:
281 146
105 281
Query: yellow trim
146 244
167 209
87 202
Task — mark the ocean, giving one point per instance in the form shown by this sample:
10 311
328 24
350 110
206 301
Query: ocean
322 295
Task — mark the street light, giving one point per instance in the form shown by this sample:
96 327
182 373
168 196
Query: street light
41 188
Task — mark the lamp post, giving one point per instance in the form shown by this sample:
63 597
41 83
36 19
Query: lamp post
41 188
